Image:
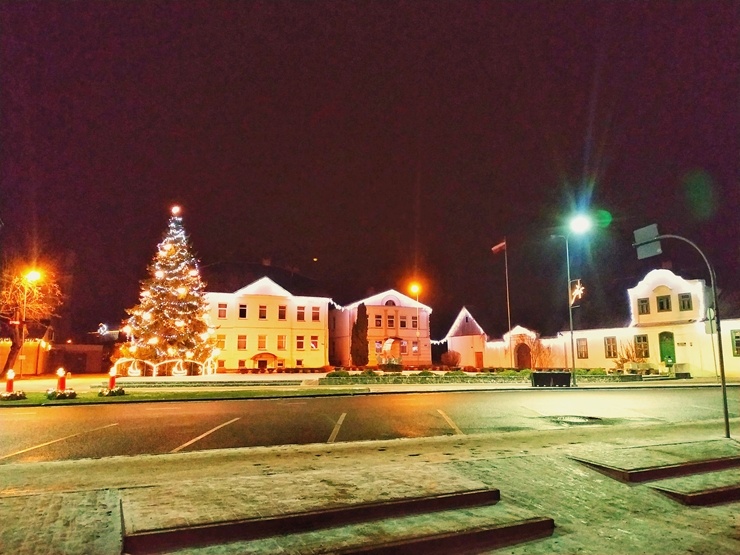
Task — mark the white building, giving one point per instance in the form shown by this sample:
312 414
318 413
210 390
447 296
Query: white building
397 331
668 330
264 326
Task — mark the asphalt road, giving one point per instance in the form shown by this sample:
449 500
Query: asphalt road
94 431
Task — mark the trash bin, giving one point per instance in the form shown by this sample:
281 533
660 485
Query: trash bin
551 379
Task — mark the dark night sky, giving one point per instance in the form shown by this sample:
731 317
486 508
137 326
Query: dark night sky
383 138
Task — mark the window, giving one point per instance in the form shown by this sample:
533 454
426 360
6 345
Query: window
314 342
391 320
299 341
415 347
684 301
610 347
281 342
390 303
582 347
242 312
299 362
221 364
402 322
262 342
378 347
221 342
664 303
301 314
315 313
378 320
263 312
241 342
242 364
641 346
281 312
643 306
735 340
281 363
221 310
414 322
404 347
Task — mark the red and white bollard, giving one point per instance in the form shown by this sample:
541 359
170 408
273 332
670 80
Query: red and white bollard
9 381
112 379
62 379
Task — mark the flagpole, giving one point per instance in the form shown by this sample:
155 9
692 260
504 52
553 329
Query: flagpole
508 305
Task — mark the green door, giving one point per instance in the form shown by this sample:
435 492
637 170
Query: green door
667 348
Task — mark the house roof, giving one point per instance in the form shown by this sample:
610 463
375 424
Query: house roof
464 325
379 299
227 277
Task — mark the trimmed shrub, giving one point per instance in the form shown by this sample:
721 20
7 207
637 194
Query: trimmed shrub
338 374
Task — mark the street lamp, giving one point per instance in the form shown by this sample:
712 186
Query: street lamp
28 280
578 225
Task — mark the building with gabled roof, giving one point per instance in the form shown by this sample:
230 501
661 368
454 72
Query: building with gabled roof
397 331
265 326
669 332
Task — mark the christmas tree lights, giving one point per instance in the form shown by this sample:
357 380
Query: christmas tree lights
169 330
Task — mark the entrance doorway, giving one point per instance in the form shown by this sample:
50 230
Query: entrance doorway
523 355
667 348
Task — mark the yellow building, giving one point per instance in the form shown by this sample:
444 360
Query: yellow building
397 330
264 326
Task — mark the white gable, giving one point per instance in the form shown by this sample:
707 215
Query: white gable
519 330
381 299
264 286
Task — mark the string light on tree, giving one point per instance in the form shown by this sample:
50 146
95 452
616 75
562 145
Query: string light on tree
170 327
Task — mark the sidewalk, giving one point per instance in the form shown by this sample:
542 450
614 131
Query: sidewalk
84 506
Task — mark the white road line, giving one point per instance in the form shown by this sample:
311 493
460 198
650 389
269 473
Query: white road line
335 431
451 423
55 441
201 436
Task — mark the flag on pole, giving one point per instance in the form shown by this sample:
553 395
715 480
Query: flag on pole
497 248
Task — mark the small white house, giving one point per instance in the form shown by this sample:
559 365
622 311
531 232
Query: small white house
262 325
397 331
668 331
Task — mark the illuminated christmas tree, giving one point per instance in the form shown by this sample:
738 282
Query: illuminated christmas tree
170 330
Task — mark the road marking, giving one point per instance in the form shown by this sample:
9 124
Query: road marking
201 436
55 441
451 423
335 431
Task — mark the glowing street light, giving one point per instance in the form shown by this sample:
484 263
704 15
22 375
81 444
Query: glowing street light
578 225
28 281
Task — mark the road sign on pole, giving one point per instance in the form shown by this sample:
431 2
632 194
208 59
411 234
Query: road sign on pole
646 243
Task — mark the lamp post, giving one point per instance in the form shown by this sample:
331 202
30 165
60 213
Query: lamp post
415 288
29 279
578 224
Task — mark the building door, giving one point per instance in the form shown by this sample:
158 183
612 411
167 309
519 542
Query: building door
523 356
667 348
478 359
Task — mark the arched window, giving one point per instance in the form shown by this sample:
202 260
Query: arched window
390 303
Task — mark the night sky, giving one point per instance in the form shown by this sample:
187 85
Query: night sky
386 139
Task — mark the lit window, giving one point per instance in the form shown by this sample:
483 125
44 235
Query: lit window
402 322
415 347
281 312
221 342
378 347
241 342
242 311
735 340
643 306
404 347
664 303
301 314
391 320
315 313
582 347
221 310
684 301
610 347
314 342
641 346
299 342
281 342
263 312
414 322
262 342
378 320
